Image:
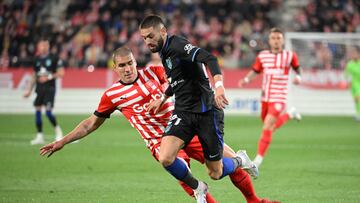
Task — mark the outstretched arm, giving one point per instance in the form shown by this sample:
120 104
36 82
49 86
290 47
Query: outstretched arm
83 129
248 78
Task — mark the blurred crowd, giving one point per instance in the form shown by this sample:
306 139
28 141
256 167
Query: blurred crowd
87 32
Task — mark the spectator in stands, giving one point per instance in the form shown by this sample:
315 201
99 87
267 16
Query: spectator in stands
208 23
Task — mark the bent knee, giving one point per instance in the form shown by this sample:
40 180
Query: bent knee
215 175
166 160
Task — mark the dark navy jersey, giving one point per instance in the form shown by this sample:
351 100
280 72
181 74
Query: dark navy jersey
187 75
44 66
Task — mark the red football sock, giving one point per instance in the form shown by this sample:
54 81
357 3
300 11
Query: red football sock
282 120
190 192
242 181
210 199
264 142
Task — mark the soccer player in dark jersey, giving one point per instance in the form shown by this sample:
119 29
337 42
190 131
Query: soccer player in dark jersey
198 111
47 68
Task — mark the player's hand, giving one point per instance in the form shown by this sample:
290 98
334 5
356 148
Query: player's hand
155 105
241 83
51 148
297 80
27 94
220 98
43 79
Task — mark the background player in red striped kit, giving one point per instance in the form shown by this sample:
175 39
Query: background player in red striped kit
275 65
132 95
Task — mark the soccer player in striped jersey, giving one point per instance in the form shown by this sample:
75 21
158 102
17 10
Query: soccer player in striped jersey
132 95
275 65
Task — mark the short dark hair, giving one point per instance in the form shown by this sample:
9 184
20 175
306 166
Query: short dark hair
276 29
121 51
151 21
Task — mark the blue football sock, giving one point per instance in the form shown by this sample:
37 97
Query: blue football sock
38 121
51 117
228 166
179 170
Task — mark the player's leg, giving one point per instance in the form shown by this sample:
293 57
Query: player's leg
239 178
211 132
49 102
292 113
184 157
179 132
38 102
357 105
272 114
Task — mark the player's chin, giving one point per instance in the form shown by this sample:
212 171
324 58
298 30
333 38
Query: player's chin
154 50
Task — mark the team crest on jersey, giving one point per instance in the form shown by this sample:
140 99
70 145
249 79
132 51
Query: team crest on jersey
48 62
169 63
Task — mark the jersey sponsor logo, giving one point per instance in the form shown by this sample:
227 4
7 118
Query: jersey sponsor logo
138 108
188 48
169 63
176 82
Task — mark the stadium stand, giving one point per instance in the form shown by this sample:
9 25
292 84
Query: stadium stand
84 33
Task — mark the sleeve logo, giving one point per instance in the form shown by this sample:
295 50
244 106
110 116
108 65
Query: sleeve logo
188 48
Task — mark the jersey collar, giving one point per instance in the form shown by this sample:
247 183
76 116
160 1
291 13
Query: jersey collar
165 47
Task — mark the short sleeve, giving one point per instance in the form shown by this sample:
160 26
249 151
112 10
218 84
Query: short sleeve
257 66
105 107
294 61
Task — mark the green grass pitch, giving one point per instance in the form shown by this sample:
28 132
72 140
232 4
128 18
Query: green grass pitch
316 160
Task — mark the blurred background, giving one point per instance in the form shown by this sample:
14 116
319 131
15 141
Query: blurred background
84 33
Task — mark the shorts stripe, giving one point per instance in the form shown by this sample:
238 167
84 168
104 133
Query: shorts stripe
218 133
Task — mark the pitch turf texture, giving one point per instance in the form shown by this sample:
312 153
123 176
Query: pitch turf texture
316 160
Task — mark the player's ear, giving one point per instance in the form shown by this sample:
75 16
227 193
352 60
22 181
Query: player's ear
163 31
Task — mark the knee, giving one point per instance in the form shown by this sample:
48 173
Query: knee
215 174
269 126
166 160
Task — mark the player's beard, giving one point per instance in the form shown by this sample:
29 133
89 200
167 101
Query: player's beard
158 47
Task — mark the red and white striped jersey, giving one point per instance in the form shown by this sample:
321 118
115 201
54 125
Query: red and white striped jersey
275 68
133 99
